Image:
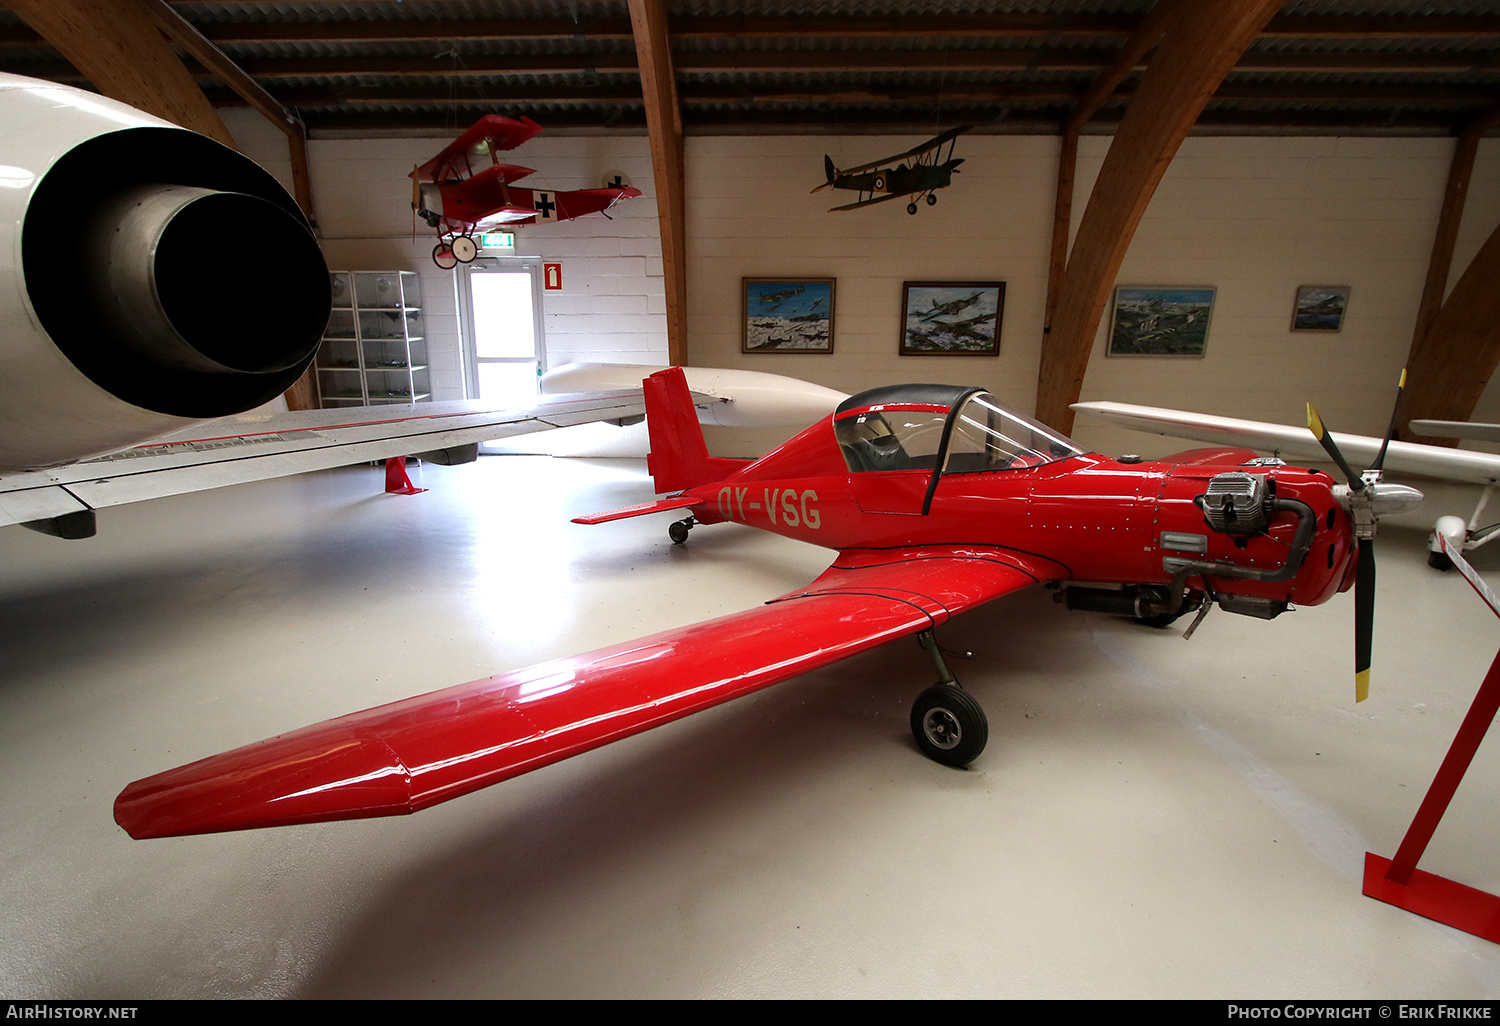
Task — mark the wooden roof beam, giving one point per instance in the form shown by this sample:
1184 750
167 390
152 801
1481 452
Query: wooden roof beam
117 46
1201 44
664 127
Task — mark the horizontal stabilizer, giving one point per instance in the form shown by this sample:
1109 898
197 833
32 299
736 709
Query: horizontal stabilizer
623 512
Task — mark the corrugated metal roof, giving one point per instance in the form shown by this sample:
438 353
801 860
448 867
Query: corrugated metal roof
824 65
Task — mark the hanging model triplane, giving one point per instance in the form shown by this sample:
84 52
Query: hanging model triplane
936 498
927 173
459 201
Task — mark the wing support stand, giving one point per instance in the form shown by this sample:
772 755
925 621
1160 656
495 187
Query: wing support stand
1398 881
396 481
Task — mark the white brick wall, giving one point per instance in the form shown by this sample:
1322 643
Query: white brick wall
1254 217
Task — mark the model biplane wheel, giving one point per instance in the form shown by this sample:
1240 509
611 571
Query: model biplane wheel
931 199
465 249
911 208
1439 561
442 255
949 725
678 531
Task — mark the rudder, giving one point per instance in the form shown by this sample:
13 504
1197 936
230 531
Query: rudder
679 456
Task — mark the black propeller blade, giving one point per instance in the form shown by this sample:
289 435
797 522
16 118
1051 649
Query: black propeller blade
1362 510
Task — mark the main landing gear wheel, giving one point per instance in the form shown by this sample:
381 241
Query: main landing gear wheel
949 725
911 208
464 249
932 199
442 255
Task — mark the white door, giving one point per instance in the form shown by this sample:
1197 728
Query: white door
501 304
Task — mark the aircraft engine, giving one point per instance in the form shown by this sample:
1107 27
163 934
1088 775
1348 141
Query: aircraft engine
152 278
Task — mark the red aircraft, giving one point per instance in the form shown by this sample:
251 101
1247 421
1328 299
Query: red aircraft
937 499
459 201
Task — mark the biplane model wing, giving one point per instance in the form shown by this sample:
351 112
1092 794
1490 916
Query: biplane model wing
476 148
915 151
892 177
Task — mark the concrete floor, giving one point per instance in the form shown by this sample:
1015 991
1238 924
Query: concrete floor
1152 818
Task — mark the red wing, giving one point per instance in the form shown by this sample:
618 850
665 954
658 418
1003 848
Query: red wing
406 756
477 147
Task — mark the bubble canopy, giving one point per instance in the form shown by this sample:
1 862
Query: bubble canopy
951 428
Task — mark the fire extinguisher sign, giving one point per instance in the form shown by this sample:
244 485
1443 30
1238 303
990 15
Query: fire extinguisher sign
552 277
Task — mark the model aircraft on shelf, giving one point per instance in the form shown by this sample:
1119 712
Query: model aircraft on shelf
1436 461
875 182
936 498
134 367
465 190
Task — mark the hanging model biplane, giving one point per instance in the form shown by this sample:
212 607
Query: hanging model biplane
876 182
465 190
936 498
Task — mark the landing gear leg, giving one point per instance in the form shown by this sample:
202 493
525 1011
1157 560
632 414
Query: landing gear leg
948 724
678 532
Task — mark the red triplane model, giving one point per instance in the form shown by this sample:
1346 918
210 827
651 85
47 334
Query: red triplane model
937 499
456 193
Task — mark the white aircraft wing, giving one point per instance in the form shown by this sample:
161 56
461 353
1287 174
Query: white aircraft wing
1360 450
254 447
1457 429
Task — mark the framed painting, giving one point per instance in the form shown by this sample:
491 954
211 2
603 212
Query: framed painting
951 318
1160 321
1320 308
788 315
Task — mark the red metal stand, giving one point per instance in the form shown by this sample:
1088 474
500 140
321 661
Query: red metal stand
1398 881
396 481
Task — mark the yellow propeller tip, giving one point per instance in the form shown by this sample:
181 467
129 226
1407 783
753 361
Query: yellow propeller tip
1361 685
1314 422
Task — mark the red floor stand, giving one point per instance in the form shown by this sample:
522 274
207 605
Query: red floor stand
396 481
1398 881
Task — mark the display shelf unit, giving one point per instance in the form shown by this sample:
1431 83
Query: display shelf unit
374 352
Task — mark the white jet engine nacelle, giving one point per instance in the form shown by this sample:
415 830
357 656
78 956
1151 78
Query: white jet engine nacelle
152 278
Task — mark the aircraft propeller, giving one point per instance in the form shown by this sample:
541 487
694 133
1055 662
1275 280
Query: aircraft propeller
1367 498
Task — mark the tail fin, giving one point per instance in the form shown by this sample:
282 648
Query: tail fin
679 456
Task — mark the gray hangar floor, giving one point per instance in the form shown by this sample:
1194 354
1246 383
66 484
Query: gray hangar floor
1152 818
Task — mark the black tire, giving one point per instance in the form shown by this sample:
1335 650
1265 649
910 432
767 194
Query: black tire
678 532
1439 561
949 725
932 199
911 208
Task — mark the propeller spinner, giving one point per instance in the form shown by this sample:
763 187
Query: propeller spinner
1366 498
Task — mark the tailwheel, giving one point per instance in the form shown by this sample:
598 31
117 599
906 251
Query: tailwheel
678 531
949 725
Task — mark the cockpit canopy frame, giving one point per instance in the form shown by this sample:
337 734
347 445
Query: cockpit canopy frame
944 429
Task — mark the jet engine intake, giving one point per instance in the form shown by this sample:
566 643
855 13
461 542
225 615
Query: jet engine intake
156 278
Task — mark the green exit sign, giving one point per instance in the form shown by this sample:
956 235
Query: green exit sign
498 240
